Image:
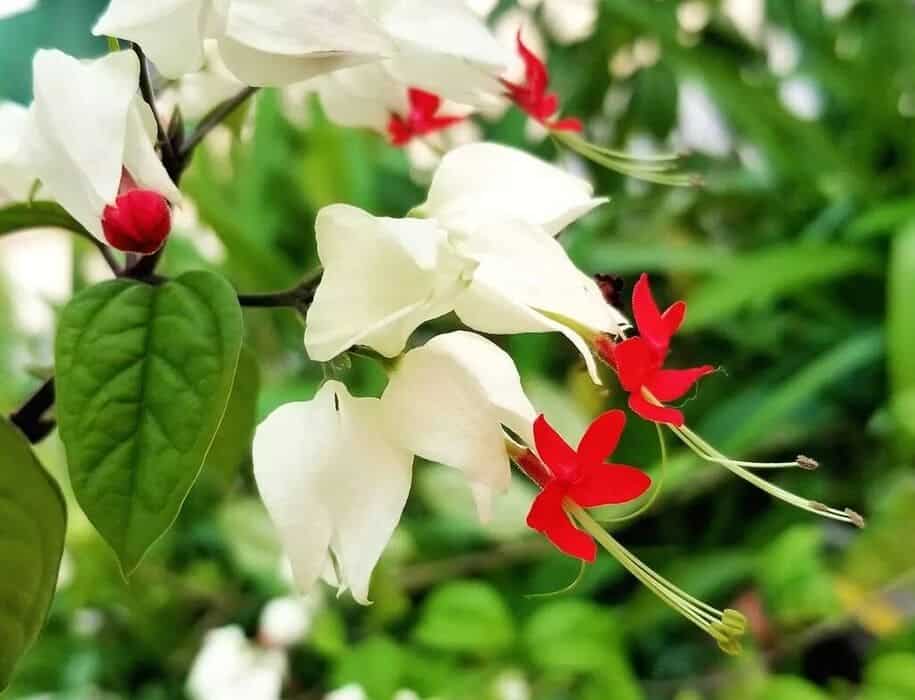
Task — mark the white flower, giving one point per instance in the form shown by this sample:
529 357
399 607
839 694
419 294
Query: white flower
353 691
335 472
264 42
486 250
11 8
230 667
447 402
88 125
287 621
198 93
16 177
334 483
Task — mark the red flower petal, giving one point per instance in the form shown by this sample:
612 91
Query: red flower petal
671 384
567 124
608 484
139 222
399 131
425 103
655 414
673 317
554 451
647 317
635 362
536 75
601 438
547 516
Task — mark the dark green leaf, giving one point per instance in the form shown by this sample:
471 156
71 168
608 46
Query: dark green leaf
33 522
232 444
144 377
24 216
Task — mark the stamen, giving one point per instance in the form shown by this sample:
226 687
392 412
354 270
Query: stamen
704 450
725 627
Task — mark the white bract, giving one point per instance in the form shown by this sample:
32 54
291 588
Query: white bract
263 41
16 176
335 472
88 124
447 402
334 484
230 667
485 249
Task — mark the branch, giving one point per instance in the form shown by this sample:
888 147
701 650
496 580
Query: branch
30 417
212 120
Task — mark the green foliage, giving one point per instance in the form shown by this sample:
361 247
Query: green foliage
467 617
144 376
24 216
33 521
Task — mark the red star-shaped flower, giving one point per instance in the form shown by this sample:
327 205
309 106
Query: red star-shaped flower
532 96
581 477
639 362
422 119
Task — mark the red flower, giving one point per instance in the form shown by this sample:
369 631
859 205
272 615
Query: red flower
639 362
138 222
583 478
421 120
532 96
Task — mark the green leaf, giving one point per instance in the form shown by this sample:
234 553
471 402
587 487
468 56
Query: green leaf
377 664
232 444
893 674
33 522
468 617
24 216
144 377
760 278
571 635
900 326
789 688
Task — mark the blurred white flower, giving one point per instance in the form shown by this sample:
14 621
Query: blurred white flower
88 125
197 93
484 248
39 266
10 8
348 692
447 402
700 124
286 621
837 9
230 667
482 7
570 21
16 176
783 51
801 96
512 685
747 16
693 15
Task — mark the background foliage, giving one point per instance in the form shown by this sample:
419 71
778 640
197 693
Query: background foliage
797 259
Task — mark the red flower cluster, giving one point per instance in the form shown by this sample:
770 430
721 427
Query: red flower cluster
582 477
422 119
532 96
639 361
138 222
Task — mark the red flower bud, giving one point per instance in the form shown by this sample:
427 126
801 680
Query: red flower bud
139 222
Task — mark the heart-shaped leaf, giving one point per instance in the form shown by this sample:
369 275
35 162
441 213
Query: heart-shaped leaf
33 521
144 375
23 216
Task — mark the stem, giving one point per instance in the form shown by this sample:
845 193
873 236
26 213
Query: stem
168 152
213 119
30 417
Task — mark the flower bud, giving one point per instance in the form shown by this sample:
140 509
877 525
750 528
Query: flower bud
139 222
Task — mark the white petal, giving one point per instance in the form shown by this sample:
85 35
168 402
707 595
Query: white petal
231 667
526 282
277 42
448 400
445 48
79 125
16 175
200 92
362 97
332 481
382 279
140 157
506 183
171 32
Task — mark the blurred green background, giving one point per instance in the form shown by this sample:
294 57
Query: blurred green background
797 259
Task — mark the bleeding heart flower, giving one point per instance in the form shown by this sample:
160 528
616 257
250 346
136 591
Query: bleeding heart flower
639 361
422 119
532 96
581 477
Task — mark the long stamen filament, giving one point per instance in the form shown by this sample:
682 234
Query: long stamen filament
704 450
725 627
656 491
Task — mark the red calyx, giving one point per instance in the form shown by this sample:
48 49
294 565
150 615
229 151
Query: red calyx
639 362
138 222
532 96
582 477
421 120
